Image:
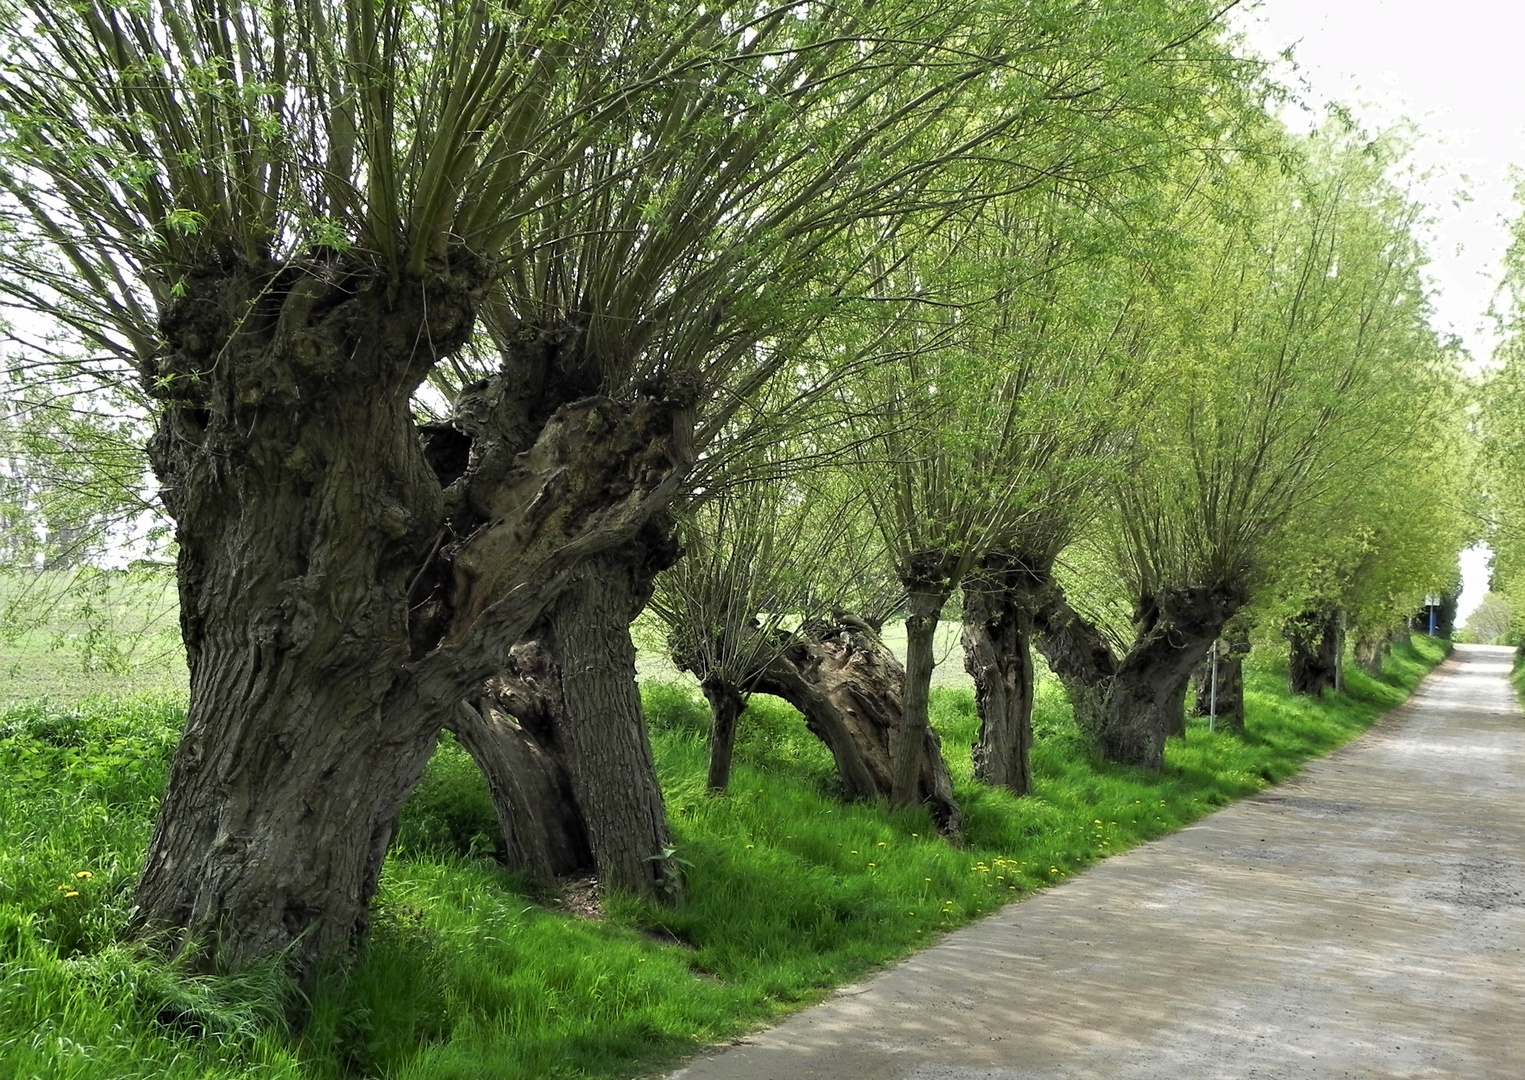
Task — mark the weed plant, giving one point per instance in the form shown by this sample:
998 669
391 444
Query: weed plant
468 972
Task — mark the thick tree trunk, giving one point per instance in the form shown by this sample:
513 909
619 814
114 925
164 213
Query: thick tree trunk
304 506
998 656
726 705
850 687
926 605
1314 645
346 580
1229 698
614 776
515 735
1130 705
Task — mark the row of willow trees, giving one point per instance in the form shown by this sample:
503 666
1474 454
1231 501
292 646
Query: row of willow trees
1502 421
467 332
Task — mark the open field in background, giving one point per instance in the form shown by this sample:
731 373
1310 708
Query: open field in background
471 973
69 634
119 635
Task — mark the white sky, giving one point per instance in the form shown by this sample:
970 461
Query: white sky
1456 71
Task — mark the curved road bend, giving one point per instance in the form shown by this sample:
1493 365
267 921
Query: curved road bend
1365 919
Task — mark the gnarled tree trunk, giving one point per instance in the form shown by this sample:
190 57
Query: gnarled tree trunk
347 580
515 735
849 687
1314 644
1131 705
1078 655
998 601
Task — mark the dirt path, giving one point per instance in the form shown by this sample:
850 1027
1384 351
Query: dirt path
1365 919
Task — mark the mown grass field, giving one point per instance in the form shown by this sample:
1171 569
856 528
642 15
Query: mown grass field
469 973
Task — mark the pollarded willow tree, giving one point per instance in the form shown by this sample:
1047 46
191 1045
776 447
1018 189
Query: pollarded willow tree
1009 395
1303 344
285 218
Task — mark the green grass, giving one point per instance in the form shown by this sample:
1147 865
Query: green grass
468 973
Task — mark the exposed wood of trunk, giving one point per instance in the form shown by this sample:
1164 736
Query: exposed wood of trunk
513 732
849 687
1313 641
726 705
997 639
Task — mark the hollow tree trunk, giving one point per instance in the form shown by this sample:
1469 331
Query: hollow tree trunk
849 687
1232 650
1313 640
330 629
515 735
726 705
997 641
926 605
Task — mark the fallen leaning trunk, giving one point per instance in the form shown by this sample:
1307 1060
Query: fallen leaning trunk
849 687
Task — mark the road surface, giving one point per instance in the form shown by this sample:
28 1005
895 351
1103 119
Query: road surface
1365 919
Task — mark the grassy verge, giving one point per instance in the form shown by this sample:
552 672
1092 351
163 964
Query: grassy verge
469 974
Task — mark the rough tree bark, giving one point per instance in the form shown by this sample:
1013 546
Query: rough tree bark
574 782
850 687
1314 644
614 777
998 622
514 733
1130 705
925 604
345 580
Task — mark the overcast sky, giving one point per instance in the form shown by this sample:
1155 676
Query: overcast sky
1457 72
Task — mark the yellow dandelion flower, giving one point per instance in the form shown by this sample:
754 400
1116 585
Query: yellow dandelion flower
84 875
70 893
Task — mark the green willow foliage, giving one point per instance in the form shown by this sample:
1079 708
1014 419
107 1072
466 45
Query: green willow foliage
1503 422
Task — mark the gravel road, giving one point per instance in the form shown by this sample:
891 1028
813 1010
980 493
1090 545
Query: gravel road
1365 919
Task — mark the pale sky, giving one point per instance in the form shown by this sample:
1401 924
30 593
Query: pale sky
1456 70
